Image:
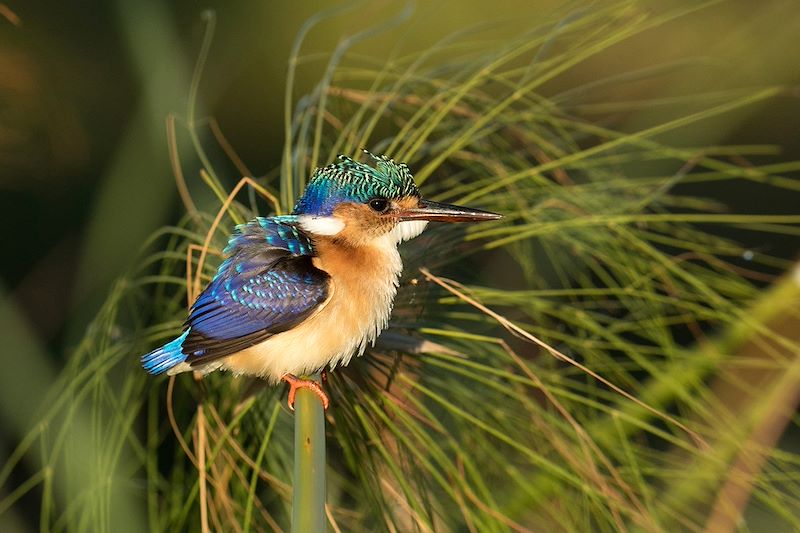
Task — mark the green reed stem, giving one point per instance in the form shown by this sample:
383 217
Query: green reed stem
308 498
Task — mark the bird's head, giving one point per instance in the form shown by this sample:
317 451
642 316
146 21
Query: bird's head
356 203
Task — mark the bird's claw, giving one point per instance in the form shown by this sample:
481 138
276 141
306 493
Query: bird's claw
297 383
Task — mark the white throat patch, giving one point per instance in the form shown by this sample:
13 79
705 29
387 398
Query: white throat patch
407 230
321 225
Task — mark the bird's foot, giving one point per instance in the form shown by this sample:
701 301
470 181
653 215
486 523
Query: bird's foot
297 383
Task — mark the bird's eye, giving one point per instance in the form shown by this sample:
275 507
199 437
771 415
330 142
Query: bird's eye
379 205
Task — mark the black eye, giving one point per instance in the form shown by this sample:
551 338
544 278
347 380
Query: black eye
379 204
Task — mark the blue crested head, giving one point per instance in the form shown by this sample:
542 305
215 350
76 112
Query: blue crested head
350 181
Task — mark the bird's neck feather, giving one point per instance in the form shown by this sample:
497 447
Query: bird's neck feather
373 261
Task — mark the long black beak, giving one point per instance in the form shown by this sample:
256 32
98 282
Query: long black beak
427 210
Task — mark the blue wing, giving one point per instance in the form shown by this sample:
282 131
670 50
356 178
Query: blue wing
267 285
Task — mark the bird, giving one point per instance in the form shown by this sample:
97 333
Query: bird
301 293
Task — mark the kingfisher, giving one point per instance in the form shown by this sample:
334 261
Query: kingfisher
303 292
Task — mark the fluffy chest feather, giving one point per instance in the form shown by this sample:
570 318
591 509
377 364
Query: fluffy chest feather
364 281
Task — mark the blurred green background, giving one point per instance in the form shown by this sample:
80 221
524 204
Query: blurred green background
85 89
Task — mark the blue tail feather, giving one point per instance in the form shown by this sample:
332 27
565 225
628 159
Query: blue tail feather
166 357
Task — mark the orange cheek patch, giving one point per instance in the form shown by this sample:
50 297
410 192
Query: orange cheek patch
361 223
407 202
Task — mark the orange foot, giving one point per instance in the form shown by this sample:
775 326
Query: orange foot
297 383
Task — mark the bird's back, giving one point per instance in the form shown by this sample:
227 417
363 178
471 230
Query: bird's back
267 285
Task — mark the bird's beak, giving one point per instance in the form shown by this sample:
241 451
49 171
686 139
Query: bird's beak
427 210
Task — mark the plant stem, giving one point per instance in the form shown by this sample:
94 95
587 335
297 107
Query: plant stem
308 498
